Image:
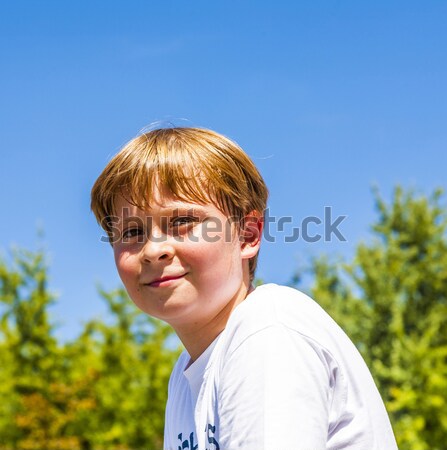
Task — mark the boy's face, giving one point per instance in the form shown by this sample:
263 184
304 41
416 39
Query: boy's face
181 262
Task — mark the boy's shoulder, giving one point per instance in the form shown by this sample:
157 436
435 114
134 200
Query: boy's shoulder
272 306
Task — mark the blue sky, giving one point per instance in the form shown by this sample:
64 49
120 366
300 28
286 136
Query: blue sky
328 97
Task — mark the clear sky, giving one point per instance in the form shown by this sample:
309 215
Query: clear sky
328 97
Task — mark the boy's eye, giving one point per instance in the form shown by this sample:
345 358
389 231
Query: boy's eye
131 233
183 220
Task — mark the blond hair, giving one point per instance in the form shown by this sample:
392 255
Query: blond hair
194 164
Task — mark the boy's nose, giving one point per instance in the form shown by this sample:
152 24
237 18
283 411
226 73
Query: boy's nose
157 248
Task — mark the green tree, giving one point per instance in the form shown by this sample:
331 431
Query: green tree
392 300
29 419
133 363
106 389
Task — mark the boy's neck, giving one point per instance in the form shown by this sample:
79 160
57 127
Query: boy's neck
198 338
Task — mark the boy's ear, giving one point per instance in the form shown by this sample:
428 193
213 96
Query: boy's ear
251 234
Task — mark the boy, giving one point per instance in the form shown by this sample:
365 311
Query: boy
263 368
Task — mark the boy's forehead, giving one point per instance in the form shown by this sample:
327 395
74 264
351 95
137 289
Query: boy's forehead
162 200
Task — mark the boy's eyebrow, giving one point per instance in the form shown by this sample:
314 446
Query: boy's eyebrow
128 219
167 211
174 205
179 204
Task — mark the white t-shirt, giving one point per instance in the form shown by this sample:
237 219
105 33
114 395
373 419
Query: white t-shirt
281 376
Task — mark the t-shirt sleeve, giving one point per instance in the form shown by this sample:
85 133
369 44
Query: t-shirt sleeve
274 394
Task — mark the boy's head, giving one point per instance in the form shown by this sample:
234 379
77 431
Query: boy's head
194 165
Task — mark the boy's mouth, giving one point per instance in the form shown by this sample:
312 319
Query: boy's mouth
165 281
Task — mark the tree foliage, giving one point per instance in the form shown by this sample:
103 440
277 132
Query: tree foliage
392 301
106 389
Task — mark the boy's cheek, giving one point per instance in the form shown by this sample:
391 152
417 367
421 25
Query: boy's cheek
214 234
117 255
212 230
129 281
124 264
